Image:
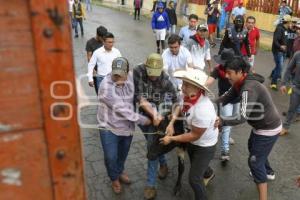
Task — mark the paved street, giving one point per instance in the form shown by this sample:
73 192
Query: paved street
135 41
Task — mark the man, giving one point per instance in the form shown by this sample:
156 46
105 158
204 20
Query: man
258 109
291 36
78 16
284 9
117 118
189 30
152 89
238 10
229 109
172 17
213 14
292 73
93 44
253 37
103 57
235 37
279 47
228 6
200 48
176 57
71 2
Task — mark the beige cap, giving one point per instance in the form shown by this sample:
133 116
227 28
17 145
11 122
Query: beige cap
120 66
154 64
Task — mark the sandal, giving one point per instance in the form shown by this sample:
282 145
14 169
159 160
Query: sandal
124 178
116 186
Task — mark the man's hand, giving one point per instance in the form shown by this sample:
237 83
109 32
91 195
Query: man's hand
298 181
170 130
218 123
148 122
283 89
283 47
91 84
157 119
165 140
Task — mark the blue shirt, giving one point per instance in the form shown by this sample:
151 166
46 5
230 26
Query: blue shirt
185 33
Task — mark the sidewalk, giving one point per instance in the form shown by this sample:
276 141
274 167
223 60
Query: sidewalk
265 40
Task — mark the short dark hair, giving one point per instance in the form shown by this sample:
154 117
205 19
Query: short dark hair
174 38
251 17
108 35
101 31
193 16
238 63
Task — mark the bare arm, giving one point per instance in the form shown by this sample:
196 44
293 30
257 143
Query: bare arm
210 81
89 55
191 136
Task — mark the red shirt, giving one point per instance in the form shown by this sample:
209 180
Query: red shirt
253 36
229 7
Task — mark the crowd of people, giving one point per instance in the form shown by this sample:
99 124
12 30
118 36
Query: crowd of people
180 73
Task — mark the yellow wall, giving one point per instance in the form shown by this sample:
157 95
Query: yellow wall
264 21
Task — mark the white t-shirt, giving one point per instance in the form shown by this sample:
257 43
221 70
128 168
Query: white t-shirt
203 115
200 54
103 59
176 62
238 11
71 5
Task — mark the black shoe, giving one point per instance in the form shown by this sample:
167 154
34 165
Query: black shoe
158 50
76 36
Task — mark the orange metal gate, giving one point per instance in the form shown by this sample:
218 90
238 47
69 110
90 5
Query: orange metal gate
40 149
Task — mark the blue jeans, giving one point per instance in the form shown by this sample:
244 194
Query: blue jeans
115 149
259 147
78 21
97 80
88 5
152 164
227 111
276 73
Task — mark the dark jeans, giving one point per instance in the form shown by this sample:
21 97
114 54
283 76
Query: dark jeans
276 73
137 11
97 80
294 105
115 149
200 158
78 21
259 147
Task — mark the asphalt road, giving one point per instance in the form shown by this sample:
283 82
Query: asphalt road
135 41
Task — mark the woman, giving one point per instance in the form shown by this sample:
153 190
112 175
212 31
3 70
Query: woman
201 135
116 117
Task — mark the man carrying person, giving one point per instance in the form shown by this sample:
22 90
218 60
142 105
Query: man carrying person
92 45
152 89
103 57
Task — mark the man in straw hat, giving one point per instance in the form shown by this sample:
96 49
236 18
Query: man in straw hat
153 89
258 109
117 117
201 136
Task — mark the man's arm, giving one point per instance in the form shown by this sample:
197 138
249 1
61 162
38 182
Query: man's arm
248 102
227 97
247 45
91 65
224 41
288 73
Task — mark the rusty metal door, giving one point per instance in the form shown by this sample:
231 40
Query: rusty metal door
40 149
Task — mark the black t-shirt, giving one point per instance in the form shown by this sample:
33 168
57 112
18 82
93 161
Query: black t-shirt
223 83
92 45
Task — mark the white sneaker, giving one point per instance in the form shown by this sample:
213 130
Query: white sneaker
270 177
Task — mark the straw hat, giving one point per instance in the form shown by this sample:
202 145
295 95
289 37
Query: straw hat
194 77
